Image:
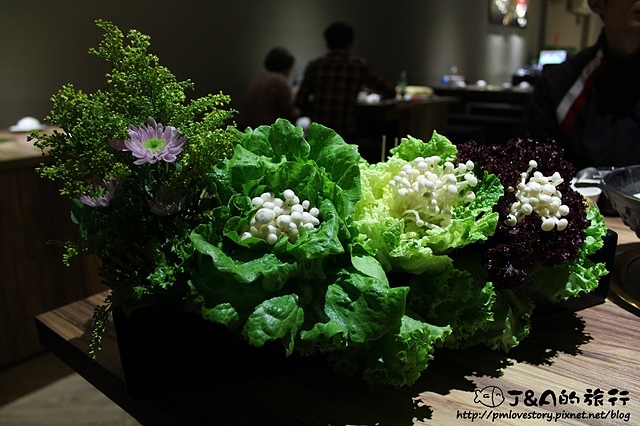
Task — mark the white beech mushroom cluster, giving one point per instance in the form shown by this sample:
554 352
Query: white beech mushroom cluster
277 217
426 192
539 194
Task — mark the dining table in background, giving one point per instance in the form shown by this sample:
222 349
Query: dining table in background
575 368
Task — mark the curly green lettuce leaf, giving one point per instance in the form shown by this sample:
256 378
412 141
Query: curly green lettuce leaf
471 223
247 175
512 311
400 243
235 268
277 318
439 145
345 307
358 308
452 298
398 358
406 352
582 275
338 160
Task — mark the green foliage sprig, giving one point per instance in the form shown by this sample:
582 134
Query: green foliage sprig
137 87
141 252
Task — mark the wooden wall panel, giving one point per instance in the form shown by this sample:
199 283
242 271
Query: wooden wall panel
33 278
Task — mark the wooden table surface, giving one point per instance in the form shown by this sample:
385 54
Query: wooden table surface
589 360
17 151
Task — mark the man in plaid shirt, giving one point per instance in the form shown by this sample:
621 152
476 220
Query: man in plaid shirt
329 90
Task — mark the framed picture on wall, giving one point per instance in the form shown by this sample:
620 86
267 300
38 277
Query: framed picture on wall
508 13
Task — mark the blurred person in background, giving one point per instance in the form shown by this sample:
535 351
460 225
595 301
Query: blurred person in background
271 96
328 93
591 103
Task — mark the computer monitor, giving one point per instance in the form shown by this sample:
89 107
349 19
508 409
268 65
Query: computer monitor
552 57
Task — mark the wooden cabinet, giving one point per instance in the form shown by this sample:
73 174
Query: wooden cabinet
33 278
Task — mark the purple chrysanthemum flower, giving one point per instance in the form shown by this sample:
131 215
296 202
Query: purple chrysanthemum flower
152 142
166 202
101 194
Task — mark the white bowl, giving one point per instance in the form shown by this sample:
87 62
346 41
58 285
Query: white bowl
27 124
592 193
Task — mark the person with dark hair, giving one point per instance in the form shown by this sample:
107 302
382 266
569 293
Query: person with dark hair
271 96
339 36
590 104
279 60
330 85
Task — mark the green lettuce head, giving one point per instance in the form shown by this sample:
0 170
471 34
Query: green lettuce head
277 262
418 206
